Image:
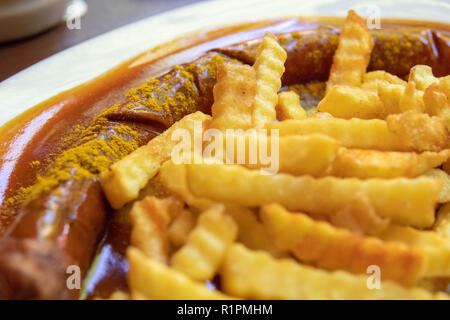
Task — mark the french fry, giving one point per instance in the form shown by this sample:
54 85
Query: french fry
359 216
353 133
150 219
412 99
126 177
269 67
152 280
436 248
422 76
404 201
251 231
206 245
365 164
437 103
419 130
289 107
257 275
445 179
390 96
442 225
381 76
327 247
353 53
348 102
181 227
234 95
297 155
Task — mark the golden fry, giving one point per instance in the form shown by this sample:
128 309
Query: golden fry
353 53
152 280
150 219
205 248
365 164
353 133
442 225
234 94
359 216
419 130
269 67
251 231
327 247
381 76
404 201
422 76
297 155
257 275
181 227
412 99
126 177
352 102
436 248
289 107
445 179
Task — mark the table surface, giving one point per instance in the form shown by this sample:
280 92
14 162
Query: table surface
102 16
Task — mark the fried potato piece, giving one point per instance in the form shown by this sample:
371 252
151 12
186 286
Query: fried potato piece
151 280
251 232
412 99
234 94
365 164
437 103
126 177
390 96
353 53
419 130
297 155
205 248
289 107
150 219
181 227
322 245
442 225
437 248
445 178
353 133
352 102
257 275
404 201
359 216
380 76
269 67
422 76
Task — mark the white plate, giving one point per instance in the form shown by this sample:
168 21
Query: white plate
89 59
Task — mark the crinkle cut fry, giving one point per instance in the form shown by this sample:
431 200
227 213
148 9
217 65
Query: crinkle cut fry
390 135
269 67
384 164
205 248
257 275
404 201
126 177
150 219
234 94
353 53
151 280
328 247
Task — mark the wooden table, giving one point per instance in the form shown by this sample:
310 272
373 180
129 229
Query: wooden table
102 16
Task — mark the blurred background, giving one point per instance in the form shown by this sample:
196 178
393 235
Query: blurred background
32 30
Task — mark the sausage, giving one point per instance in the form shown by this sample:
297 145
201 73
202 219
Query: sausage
69 220
310 52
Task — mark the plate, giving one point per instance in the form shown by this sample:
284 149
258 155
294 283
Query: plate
89 59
